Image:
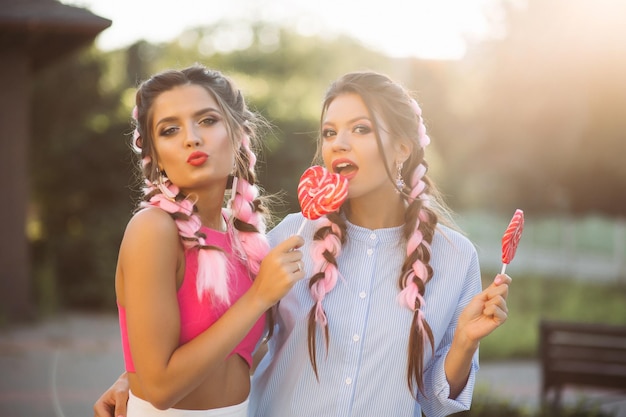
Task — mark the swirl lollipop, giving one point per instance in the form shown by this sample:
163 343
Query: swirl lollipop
320 192
511 238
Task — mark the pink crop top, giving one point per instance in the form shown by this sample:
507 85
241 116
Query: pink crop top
197 316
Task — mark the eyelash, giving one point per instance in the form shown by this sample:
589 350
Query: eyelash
326 133
168 132
210 121
360 129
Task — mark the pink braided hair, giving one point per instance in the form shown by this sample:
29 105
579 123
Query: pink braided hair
331 244
252 245
325 249
410 296
417 269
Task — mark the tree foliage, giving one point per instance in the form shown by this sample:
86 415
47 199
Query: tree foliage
80 171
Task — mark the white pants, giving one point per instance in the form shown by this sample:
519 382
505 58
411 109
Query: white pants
142 408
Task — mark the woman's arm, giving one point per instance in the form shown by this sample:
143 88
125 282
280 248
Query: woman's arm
258 355
485 312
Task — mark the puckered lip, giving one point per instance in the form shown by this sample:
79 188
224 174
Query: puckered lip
197 158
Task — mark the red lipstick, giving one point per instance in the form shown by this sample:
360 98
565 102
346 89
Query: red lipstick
197 158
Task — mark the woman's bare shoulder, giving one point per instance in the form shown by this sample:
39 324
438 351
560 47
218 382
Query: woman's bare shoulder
151 223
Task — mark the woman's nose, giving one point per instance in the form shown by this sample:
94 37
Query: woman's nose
342 141
193 137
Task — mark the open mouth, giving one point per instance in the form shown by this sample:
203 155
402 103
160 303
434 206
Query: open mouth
345 169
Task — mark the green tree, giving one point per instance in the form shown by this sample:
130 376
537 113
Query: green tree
80 166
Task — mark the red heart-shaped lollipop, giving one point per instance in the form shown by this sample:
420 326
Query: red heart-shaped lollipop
320 192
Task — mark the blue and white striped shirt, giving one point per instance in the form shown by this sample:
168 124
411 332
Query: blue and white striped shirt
364 371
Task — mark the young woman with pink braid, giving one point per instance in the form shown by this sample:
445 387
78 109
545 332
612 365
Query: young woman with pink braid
391 315
194 279
389 319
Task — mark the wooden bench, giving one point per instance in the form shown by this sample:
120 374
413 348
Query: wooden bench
581 355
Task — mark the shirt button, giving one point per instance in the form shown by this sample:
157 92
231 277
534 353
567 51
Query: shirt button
373 236
370 251
362 294
356 337
348 381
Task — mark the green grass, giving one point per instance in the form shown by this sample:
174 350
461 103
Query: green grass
487 406
532 298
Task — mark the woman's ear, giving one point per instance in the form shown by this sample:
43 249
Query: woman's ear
403 150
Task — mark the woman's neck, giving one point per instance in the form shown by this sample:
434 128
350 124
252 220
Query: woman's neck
216 222
210 211
375 214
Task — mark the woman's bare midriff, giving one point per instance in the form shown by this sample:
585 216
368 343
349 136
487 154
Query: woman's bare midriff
227 385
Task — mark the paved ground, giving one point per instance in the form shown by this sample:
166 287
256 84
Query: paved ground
59 367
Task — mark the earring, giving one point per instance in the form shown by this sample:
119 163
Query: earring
399 180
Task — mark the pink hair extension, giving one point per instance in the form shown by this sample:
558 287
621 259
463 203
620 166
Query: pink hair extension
417 182
252 246
410 296
213 265
332 244
242 204
422 137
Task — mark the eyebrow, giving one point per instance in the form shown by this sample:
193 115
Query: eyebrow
195 114
353 120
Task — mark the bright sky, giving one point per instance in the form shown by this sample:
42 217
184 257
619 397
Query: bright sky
420 28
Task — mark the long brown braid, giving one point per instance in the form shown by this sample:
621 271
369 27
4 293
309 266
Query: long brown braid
326 247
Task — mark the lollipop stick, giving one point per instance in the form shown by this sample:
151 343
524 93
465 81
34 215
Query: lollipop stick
503 269
301 226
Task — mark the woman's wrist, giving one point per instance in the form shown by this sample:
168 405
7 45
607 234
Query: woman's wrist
463 344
